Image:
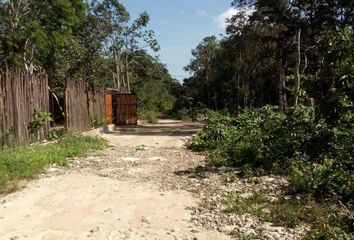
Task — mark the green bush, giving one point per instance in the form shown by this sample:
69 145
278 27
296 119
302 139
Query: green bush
202 114
329 179
337 107
317 156
148 115
332 223
219 130
184 114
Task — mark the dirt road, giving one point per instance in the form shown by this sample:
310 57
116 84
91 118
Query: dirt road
136 189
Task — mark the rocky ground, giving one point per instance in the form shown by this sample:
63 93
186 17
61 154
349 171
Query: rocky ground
147 185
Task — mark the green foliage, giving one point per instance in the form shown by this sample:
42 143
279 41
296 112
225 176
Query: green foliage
39 119
332 223
196 113
255 204
97 122
202 114
217 132
27 162
148 115
328 220
236 233
288 213
152 83
316 153
94 41
317 156
240 71
37 29
327 179
183 114
6 138
337 107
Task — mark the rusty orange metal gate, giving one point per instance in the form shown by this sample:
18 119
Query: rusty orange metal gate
109 109
125 109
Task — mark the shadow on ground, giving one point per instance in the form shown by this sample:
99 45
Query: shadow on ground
161 129
201 172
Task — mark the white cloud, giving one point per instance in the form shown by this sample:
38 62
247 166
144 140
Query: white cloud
201 13
223 17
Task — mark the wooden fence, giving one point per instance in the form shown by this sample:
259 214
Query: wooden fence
21 94
84 106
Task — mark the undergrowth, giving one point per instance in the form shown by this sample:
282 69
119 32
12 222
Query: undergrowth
195 114
148 115
330 220
21 163
315 154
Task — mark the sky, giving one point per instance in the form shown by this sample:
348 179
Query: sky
180 25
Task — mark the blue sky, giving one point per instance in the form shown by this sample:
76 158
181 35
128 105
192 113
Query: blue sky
180 25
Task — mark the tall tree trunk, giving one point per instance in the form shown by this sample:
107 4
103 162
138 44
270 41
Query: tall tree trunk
117 70
297 68
122 74
208 90
282 85
238 94
238 76
127 71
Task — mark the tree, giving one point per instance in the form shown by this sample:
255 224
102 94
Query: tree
131 38
203 63
284 53
32 30
151 82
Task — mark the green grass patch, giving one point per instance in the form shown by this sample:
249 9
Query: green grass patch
27 162
240 236
327 219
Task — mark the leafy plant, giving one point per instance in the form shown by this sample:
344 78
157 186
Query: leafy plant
218 131
96 123
6 137
148 115
317 156
38 120
184 114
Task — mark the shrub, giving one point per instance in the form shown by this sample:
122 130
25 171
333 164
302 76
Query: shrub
217 132
332 223
317 156
329 179
184 114
202 114
148 115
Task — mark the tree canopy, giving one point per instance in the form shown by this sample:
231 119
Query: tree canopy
285 53
95 41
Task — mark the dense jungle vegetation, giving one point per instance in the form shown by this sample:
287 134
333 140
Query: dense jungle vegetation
285 53
278 88
285 75
95 41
